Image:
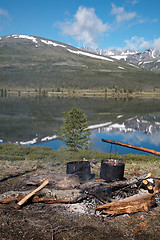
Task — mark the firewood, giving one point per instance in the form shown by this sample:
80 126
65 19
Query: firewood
103 186
150 188
136 203
145 182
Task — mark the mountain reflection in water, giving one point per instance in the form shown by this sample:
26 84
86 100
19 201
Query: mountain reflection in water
34 121
138 132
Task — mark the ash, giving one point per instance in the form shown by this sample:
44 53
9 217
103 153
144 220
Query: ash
88 207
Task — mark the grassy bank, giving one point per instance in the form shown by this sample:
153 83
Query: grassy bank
38 158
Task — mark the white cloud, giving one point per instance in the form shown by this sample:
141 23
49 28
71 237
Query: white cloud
134 2
3 13
85 27
4 18
156 43
137 43
155 20
121 14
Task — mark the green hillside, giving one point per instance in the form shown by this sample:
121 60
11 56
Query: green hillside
25 63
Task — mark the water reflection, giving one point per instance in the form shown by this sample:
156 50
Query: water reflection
134 138
139 139
142 132
134 121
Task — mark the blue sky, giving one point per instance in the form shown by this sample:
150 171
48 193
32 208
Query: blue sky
131 24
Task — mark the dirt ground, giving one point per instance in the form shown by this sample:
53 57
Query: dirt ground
70 222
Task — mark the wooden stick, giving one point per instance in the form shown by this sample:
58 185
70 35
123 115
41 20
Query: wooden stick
132 146
21 202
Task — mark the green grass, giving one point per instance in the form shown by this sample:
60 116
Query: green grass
45 156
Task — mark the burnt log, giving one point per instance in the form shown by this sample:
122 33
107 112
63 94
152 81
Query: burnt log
117 189
39 199
136 203
120 184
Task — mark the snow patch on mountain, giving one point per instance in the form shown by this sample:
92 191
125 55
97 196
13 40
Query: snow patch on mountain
89 55
48 42
153 54
119 57
121 67
119 116
133 65
147 62
25 37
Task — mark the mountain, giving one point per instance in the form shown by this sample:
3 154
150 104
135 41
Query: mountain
35 62
148 124
148 59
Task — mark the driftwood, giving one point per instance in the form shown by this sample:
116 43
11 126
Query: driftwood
132 146
136 203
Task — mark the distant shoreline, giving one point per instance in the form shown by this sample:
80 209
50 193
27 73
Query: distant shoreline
106 93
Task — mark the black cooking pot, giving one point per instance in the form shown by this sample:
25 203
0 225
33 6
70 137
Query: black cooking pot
80 168
112 170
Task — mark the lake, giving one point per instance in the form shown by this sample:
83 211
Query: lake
32 119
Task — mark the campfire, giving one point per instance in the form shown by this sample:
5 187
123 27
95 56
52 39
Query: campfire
110 193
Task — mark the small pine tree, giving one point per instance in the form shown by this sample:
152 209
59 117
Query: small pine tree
74 132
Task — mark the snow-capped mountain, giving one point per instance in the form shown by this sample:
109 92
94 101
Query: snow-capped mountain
36 62
148 59
40 42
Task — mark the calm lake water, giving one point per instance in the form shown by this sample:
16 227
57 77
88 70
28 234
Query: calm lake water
132 121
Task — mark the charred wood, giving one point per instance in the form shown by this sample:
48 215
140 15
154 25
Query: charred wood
105 191
136 203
